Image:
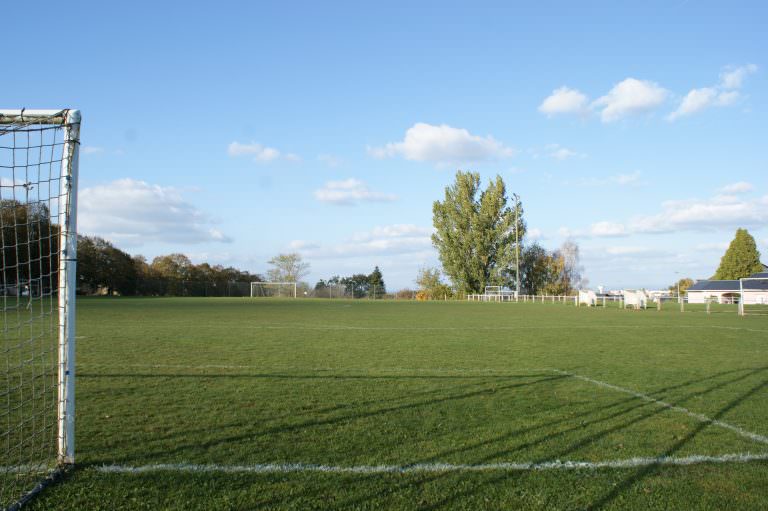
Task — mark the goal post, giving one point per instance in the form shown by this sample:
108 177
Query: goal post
753 296
273 289
38 232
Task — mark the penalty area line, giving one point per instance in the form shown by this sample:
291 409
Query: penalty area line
645 397
282 468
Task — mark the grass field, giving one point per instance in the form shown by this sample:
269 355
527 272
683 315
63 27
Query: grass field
309 404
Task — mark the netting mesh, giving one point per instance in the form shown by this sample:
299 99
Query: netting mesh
273 289
31 201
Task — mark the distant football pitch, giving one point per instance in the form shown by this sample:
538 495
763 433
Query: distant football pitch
318 404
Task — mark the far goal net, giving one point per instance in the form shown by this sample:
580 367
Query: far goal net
273 290
753 296
38 196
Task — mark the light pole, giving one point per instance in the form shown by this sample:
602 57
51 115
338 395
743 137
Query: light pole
517 245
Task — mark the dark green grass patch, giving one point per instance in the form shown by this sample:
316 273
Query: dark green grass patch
343 383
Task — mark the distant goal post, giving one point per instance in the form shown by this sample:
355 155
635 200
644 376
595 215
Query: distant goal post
273 289
753 296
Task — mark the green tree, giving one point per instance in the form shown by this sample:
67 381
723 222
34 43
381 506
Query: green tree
287 268
430 285
101 265
30 245
534 269
741 259
475 233
376 283
172 267
682 285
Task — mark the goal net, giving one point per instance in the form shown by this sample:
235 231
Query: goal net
38 196
753 296
273 289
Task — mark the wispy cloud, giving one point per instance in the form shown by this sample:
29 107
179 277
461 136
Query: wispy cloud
396 239
738 187
330 160
260 153
350 191
725 93
561 153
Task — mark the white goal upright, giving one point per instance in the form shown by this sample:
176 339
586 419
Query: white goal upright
753 296
38 204
273 289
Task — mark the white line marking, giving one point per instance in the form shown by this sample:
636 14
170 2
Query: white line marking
700 417
370 371
271 468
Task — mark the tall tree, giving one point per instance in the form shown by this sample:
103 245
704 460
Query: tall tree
287 268
376 281
475 233
572 268
741 259
534 269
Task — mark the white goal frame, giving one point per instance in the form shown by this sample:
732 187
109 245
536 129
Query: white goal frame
743 299
254 284
15 121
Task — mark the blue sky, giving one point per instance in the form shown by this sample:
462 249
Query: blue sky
233 131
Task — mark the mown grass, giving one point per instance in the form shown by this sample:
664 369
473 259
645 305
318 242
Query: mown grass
347 383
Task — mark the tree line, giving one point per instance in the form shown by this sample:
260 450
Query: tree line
104 268
358 285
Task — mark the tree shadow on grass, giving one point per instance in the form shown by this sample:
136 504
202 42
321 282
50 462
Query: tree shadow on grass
644 472
545 438
629 482
287 428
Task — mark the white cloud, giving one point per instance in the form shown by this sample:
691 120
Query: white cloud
534 233
259 152
564 101
566 232
695 101
724 94
608 229
739 187
631 96
397 239
620 251
719 212
89 149
443 145
350 191
131 212
561 153
712 247
732 77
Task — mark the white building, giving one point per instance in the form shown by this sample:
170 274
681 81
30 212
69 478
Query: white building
729 291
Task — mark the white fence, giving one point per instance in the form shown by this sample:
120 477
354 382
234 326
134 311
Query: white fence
523 298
